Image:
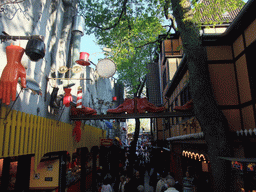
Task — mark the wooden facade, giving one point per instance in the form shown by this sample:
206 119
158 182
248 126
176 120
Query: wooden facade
230 61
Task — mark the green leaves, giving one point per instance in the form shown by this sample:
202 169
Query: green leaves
214 12
131 28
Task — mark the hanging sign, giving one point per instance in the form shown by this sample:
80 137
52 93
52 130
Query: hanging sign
106 142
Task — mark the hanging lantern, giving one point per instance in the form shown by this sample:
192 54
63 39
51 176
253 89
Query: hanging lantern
68 97
83 60
35 49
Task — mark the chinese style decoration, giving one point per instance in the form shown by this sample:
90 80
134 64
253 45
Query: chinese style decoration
11 73
142 106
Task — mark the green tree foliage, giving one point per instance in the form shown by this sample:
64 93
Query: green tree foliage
131 28
131 126
144 124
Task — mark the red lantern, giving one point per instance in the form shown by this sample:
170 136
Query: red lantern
114 98
83 60
68 97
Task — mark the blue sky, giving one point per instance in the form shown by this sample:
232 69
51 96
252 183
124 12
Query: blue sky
89 45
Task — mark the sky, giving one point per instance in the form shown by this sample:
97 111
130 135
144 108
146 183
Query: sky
89 45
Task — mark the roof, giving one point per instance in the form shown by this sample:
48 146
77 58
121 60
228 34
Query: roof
244 18
226 17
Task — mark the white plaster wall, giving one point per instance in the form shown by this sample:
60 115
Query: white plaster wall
53 20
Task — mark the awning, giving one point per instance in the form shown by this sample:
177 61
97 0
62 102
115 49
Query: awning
244 160
188 136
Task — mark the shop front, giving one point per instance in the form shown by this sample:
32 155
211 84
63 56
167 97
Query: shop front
42 154
191 154
243 173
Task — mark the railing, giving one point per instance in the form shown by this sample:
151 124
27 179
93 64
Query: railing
26 134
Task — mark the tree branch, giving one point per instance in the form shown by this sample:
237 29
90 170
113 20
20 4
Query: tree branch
141 87
123 12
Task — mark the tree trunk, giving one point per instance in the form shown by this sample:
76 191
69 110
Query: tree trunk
211 119
133 144
135 137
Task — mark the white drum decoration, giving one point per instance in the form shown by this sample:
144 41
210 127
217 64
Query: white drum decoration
106 68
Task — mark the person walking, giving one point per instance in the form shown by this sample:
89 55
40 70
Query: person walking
106 187
129 187
189 181
122 183
170 184
138 179
140 188
162 182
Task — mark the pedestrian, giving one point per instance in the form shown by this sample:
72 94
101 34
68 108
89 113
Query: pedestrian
153 178
99 176
170 184
106 187
162 183
138 179
189 181
140 188
122 183
129 187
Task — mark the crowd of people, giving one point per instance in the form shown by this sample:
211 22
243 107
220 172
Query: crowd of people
132 179
125 183
136 183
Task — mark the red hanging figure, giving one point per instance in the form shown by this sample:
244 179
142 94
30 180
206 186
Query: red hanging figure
11 73
68 97
77 131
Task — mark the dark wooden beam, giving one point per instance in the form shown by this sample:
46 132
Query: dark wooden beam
132 116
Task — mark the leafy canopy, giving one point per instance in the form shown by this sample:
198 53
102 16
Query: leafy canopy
131 29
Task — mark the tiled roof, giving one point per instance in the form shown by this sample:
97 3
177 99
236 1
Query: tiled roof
226 17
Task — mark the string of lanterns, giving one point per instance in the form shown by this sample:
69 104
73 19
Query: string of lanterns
194 155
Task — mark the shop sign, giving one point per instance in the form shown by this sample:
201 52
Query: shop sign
106 142
239 166
251 167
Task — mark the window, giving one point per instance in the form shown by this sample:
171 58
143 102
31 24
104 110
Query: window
185 95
